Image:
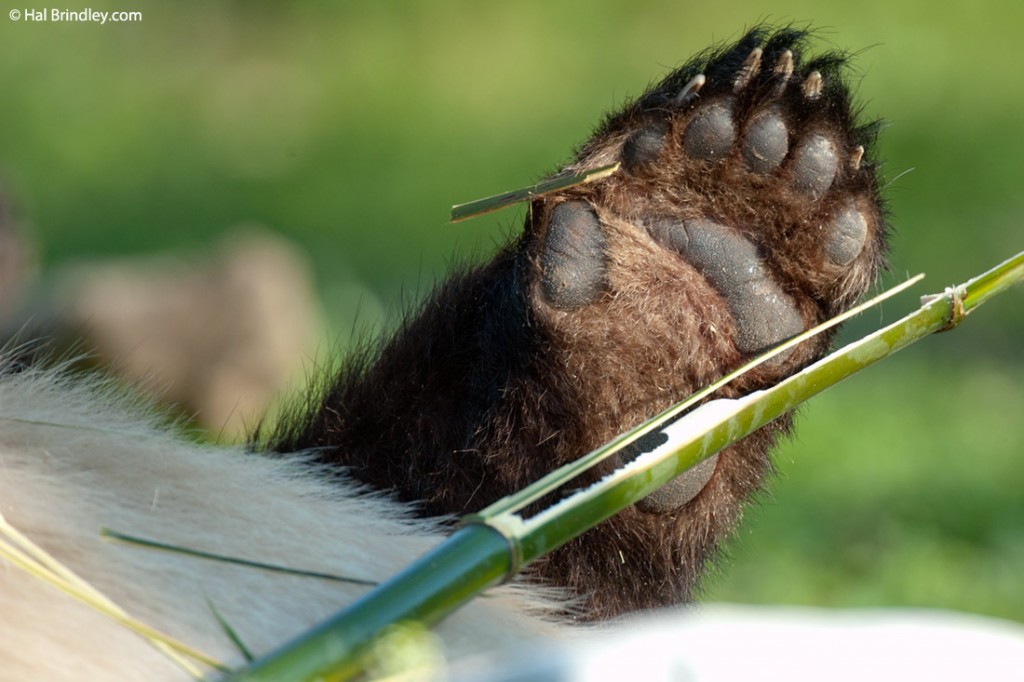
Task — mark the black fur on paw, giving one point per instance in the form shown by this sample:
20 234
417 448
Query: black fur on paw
746 209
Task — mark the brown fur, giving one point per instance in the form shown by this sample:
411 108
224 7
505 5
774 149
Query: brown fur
489 387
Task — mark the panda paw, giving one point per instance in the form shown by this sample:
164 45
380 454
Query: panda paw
745 211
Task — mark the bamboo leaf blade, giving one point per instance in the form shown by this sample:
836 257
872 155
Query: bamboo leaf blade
497 202
23 553
224 558
472 559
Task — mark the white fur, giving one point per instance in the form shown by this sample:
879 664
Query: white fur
75 457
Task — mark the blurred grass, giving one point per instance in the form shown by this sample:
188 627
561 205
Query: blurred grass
352 127
902 489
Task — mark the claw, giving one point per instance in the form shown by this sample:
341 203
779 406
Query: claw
690 90
751 65
812 86
784 67
783 71
855 158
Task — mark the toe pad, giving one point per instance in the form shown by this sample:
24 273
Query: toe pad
815 164
846 235
711 133
766 142
573 257
644 146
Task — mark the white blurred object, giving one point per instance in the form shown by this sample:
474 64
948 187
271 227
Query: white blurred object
732 642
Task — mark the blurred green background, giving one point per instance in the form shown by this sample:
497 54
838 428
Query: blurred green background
352 127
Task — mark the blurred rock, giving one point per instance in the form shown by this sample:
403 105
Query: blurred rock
217 336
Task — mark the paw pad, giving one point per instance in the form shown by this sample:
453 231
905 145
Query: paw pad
846 235
763 313
766 142
644 146
815 163
681 489
572 260
711 134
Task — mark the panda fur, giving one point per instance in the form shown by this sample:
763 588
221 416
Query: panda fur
75 457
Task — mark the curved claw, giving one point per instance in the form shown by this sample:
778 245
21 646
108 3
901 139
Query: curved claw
751 65
690 90
812 85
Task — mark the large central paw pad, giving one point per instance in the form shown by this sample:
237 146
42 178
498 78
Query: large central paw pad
744 195
733 265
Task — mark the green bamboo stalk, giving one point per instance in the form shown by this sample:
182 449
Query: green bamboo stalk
497 542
